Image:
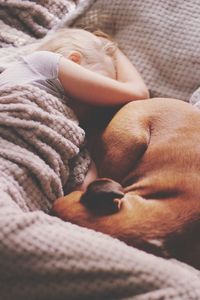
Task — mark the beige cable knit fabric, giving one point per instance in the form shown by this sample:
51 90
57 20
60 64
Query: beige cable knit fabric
42 257
32 17
41 134
23 22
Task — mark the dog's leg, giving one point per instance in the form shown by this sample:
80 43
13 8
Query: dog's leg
122 144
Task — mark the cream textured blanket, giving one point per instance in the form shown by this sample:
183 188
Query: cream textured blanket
42 257
40 135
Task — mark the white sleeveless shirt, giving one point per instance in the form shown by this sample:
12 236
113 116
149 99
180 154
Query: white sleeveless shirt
39 69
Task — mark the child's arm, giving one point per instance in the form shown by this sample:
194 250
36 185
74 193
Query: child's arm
126 72
92 88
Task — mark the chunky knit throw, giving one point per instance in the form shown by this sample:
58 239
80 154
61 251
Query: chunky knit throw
41 136
42 257
22 23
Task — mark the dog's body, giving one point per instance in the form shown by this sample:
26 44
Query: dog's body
152 148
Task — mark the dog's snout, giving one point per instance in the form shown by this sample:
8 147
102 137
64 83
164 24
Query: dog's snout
102 196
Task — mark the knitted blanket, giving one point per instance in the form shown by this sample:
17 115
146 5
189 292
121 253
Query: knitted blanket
42 257
39 135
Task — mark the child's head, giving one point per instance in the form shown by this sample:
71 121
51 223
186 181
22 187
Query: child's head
93 51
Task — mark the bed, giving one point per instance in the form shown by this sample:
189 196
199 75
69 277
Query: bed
42 257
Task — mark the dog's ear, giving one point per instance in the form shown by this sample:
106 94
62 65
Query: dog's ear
103 196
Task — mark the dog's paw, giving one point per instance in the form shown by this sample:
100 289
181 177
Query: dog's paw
103 196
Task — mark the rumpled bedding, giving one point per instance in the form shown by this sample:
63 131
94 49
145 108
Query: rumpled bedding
42 257
40 135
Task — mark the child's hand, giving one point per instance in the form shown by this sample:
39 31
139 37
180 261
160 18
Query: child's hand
127 73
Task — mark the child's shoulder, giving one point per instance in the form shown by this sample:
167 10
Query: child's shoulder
44 62
43 56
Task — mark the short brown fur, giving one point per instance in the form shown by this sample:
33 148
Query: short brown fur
152 148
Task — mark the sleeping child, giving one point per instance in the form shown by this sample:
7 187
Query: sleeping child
83 70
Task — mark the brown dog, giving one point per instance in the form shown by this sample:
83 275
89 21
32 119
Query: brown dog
152 148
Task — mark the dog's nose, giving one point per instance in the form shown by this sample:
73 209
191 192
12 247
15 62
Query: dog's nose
103 196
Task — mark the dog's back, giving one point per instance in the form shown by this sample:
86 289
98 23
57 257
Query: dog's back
170 165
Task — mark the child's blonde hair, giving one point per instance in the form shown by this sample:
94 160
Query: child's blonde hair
94 47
